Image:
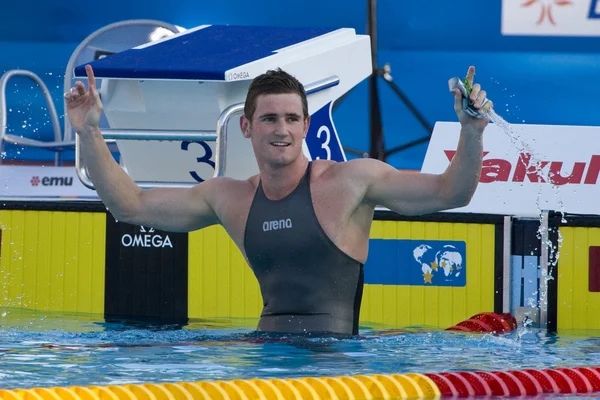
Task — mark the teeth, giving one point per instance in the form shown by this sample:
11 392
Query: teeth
279 144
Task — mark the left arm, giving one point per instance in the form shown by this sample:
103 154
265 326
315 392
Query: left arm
417 193
413 193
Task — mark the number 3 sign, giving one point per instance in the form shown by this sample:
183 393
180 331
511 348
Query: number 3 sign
322 139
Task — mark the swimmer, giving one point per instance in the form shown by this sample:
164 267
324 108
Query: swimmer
303 226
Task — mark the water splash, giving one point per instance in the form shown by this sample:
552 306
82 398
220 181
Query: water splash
523 329
535 163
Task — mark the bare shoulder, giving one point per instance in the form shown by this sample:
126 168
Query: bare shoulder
322 169
221 193
352 178
358 169
367 178
223 189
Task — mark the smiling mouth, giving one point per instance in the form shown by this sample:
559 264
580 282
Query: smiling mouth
280 144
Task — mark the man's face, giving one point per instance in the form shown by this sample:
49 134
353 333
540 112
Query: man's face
277 128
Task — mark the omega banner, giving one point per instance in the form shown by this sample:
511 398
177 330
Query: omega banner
532 168
146 273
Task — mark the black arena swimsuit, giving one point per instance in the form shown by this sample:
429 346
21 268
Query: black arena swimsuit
307 283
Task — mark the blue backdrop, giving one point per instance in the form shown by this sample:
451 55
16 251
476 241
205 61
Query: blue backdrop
547 80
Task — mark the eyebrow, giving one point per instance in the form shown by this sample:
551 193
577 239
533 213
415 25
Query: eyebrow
276 115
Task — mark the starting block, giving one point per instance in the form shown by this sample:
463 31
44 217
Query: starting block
172 104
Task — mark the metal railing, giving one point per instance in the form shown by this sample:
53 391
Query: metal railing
58 144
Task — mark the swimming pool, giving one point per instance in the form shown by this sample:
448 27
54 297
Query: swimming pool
52 349
68 268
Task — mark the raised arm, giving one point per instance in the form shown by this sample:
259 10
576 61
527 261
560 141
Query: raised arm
417 193
173 209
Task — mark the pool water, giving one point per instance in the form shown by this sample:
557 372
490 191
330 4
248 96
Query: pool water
45 349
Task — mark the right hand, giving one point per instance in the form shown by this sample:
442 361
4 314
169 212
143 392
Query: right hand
84 108
477 98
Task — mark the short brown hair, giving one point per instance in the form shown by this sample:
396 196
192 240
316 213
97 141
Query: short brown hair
274 82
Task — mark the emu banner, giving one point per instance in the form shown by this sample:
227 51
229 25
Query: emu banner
33 181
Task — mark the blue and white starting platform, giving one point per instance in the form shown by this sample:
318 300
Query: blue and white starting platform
171 104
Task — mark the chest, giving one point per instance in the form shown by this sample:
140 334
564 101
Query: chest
331 203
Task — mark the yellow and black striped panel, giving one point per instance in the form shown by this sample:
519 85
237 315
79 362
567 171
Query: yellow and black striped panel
52 260
436 306
578 308
221 285
72 257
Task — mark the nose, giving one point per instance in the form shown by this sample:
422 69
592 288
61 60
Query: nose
281 127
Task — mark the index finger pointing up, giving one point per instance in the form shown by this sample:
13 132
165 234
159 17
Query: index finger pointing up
91 77
471 75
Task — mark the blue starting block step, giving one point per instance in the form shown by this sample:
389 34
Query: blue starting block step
204 53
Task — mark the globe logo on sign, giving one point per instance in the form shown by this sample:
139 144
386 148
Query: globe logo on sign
444 264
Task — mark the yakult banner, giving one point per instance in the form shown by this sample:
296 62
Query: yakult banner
551 17
532 168
38 181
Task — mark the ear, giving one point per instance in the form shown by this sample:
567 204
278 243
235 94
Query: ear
306 125
245 126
